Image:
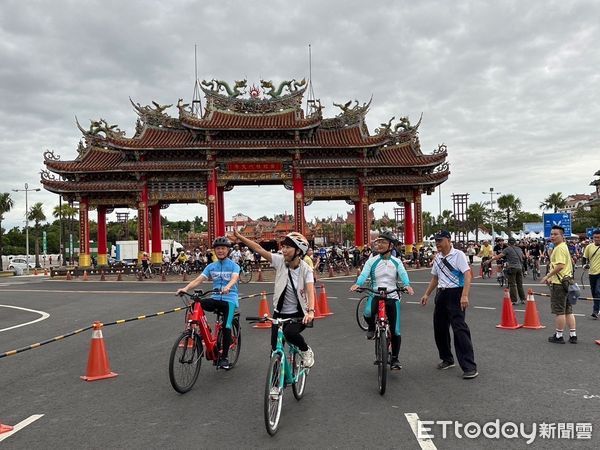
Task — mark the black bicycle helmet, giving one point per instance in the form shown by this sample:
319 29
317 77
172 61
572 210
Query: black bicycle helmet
221 241
389 236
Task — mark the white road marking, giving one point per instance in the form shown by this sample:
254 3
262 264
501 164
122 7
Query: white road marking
20 426
414 303
424 443
44 315
483 307
354 298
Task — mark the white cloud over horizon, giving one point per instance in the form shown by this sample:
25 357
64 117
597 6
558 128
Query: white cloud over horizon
510 87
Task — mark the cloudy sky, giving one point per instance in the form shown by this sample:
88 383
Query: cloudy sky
510 87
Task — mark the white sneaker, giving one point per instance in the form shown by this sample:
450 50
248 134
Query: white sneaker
308 358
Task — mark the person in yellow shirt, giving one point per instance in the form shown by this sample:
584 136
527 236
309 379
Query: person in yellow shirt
591 261
561 266
485 253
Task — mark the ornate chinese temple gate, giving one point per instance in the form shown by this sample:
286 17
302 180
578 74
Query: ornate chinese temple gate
237 141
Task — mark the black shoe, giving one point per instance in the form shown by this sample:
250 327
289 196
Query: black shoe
556 340
445 365
595 315
224 364
573 340
370 334
522 302
470 374
514 303
395 364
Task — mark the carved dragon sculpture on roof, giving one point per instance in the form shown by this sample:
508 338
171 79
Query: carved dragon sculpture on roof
156 115
385 128
349 115
291 85
100 126
50 156
442 148
217 86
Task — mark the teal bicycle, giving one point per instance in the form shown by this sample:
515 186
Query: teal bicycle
284 370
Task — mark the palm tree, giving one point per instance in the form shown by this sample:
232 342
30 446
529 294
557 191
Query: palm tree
554 201
428 223
509 204
6 204
476 214
36 215
446 220
68 212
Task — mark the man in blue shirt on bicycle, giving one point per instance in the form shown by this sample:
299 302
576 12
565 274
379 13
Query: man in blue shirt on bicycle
385 270
224 274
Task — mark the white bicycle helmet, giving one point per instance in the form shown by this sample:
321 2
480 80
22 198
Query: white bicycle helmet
296 240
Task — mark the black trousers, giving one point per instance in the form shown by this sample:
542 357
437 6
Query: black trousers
447 313
225 308
291 331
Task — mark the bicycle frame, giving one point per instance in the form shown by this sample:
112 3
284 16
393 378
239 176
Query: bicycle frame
196 318
286 378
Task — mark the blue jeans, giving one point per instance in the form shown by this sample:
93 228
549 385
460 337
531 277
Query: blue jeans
595 288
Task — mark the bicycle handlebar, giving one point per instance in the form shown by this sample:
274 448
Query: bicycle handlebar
381 290
273 320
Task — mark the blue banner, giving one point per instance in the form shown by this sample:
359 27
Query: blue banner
560 219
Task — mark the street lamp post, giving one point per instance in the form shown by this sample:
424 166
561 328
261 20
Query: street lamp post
492 193
27 190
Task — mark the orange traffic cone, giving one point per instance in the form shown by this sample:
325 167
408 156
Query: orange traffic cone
140 275
260 277
98 366
331 274
263 309
119 276
162 276
45 272
69 275
532 317
184 276
509 319
5 428
318 314
102 277
85 275
323 304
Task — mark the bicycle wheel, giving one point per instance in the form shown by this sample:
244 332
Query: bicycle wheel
299 373
245 275
381 353
273 394
360 316
185 361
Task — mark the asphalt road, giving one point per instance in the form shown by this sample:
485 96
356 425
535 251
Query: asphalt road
523 378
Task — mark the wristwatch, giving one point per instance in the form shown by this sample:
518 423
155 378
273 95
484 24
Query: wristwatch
310 310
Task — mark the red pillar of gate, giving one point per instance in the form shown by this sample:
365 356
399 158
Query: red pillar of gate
211 205
221 211
156 257
298 184
409 230
418 219
102 247
84 234
143 236
361 218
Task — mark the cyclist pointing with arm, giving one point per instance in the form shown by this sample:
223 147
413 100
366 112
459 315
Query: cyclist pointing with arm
385 270
294 289
225 275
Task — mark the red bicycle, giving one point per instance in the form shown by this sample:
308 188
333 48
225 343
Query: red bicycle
197 341
383 334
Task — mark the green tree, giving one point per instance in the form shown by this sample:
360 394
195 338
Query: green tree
446 220
6 205
428 223
66 213
37 216
476 215
554 201
509 204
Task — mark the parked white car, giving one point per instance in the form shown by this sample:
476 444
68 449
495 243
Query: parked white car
20 263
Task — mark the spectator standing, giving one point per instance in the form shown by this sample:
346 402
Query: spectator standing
561 268
513 255
451 275
591 261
